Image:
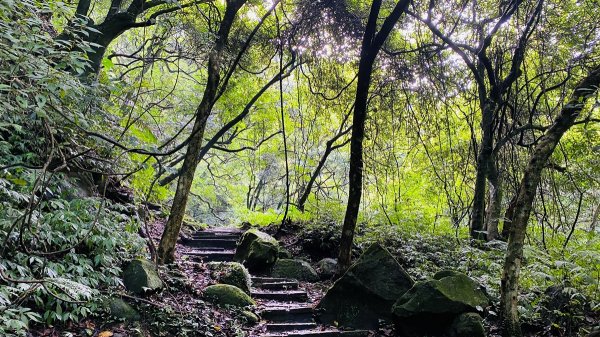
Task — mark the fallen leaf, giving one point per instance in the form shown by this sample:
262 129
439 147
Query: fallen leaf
105 334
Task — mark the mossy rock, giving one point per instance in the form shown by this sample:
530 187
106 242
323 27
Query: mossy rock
250 317
284 253
366 292
225 294
120 309
327 268
140 277
468 324
232 273
294 269
451 293
257 251
439 300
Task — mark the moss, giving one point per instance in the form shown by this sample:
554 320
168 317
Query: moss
250 317
366 292
296 269
225 294
140 276
455 294
257 250
468 324
284 253
232 273
120 309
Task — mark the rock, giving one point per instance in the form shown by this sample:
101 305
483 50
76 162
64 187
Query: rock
468 324
225 294
448 292
284 253
445 273
258 251
327 268
231 273
441 299
366 292
295 269
140 277
250 317
120 309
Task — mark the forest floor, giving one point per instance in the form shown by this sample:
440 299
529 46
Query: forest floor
179 307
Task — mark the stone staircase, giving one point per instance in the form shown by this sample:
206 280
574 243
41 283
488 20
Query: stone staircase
284 305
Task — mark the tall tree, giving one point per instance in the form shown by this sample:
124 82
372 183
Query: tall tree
492 89
117 20
526 193
372 43
166 248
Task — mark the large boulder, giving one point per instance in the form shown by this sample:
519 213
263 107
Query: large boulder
231 273
366 292
225 294
295 269
257 251
140 277
327 268
441 299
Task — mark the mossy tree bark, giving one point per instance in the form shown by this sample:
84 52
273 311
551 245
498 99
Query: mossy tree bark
525 195
166 248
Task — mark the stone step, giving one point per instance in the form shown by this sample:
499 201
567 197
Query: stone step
283 296
320 333
216 243
286 285
291 326
298 314
212 256
213 249
233 233
261 280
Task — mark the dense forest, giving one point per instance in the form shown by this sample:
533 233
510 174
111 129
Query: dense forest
383 144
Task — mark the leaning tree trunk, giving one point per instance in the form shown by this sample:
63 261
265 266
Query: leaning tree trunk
329 148
166 248
371 45
524 200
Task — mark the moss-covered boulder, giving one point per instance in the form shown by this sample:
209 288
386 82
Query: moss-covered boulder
327 268
294 269
453 294
366 292
140 276
468 324
121 310
225 294
441 299
284 253
257 251
250 317
231 273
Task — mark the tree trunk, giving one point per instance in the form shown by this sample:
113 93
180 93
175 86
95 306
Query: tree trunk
484 161
166 248
495 204
524 200
370 47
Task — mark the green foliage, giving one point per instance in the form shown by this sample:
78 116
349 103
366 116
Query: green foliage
74 250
